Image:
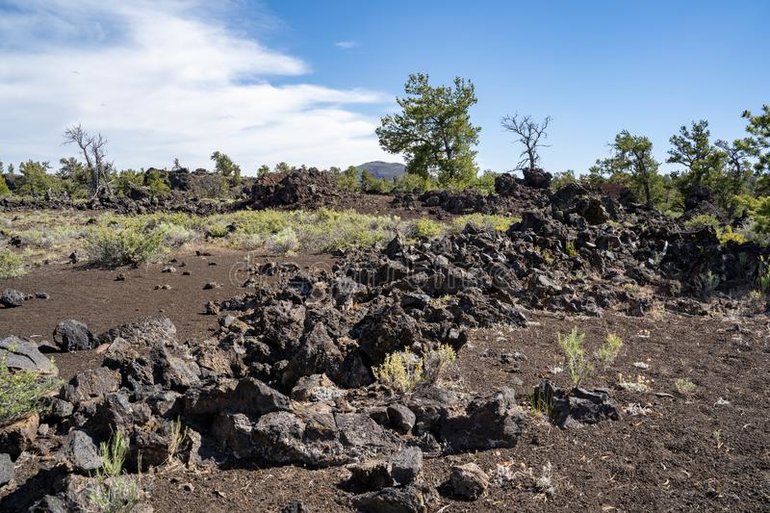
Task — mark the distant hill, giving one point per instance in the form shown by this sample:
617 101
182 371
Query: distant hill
380 169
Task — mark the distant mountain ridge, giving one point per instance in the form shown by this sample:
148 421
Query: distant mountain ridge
380 169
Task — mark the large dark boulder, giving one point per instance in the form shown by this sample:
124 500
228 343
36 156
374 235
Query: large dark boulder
505 184
73 335
575 407
80 451
487 423
537 178
91 384
145 331
12 298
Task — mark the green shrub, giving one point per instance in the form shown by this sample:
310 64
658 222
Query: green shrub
728 235
11 264
427 228
401 371
21 392
608 351
436 361
285 242
580 368
404 371
484 222
570 248
113 247
701 221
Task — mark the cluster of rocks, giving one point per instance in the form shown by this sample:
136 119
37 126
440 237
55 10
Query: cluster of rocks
139 202
186 402
297 189
512 195
586 252
12 298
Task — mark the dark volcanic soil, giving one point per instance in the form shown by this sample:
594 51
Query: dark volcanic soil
95 297
705 451
669 452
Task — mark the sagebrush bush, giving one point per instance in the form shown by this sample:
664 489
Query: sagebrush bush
11 264
285 242
428 228
404 370
401 371
484 222
684 386
21 392
113 247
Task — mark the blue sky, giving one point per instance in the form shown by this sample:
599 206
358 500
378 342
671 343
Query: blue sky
306 81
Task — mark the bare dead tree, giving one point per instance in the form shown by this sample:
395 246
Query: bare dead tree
94 153
529 133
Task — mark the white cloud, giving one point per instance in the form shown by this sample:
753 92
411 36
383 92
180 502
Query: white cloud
346 45
165 82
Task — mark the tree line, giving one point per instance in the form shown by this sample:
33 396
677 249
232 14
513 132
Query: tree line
435 135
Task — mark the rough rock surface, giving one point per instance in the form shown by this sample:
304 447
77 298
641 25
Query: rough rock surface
73 335
24 355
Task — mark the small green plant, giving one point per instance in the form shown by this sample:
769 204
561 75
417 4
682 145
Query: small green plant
684 386
577 361
113 247
608 352
21 392
728 235
570 248
540 406
639 385
707 283
544 483
178 437
436 361
11 264
115 492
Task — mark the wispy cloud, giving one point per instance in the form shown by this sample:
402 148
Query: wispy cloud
165 80
346 45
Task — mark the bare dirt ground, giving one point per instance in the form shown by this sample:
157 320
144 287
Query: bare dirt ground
703 450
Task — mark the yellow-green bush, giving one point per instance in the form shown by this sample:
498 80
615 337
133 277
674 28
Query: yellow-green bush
609 351
427 228
401 371
578 365
404 371
21 392
701 221
484 222
11 264
131 245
